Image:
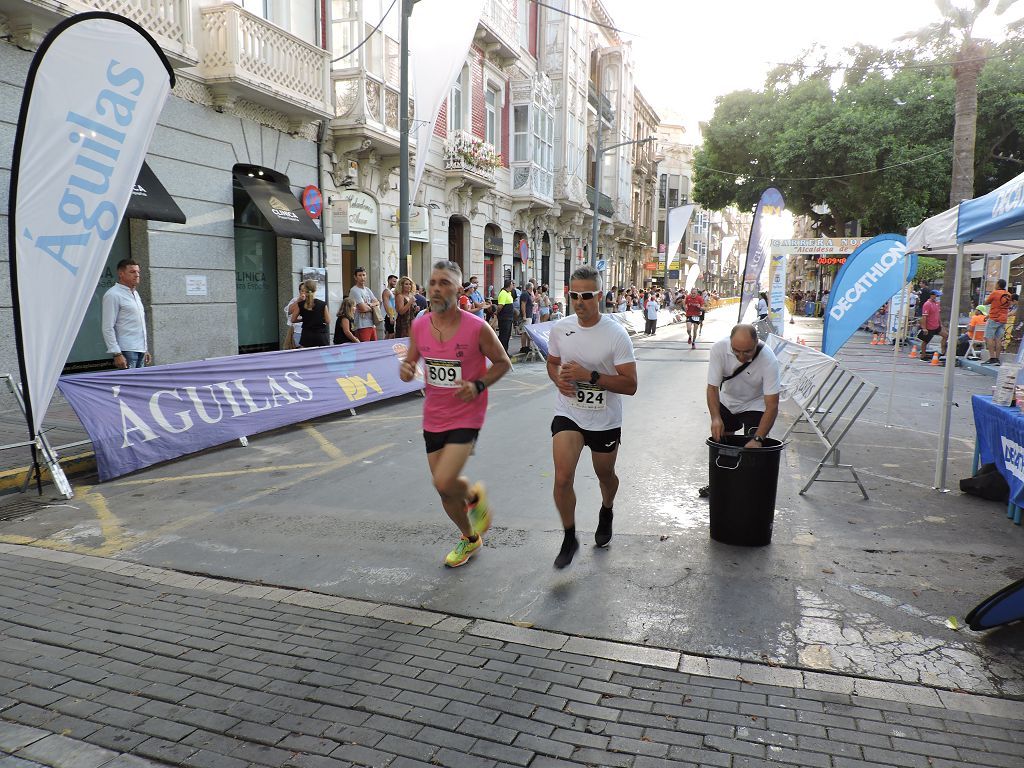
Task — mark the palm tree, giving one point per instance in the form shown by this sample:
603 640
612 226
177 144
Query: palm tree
957 26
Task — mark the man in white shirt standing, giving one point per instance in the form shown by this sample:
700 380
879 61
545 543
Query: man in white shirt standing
124 318
743 387
591 362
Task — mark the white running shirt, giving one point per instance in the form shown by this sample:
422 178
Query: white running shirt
598 348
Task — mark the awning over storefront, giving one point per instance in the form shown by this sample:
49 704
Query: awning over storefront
150 200
271 193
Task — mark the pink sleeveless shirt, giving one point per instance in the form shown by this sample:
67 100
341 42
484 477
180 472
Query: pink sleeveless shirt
445 365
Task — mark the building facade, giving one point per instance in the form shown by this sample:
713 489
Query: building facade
507 192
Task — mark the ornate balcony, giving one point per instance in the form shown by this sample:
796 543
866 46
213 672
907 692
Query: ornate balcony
532 183
497 33
366 116
244 56
470 160
167 20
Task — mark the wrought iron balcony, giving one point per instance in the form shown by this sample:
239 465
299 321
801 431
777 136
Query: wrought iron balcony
168 21
245 56
470 157
367 110
607 207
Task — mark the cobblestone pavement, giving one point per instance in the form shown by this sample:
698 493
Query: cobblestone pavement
113 664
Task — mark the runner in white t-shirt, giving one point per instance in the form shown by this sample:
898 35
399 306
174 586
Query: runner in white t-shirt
591 362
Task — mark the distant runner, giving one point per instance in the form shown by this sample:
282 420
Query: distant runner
694 315
591 362
455 346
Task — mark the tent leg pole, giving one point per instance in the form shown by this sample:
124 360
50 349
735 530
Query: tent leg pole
947 383
900 321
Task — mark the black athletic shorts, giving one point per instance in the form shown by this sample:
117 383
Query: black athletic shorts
598 441
734 422
437 440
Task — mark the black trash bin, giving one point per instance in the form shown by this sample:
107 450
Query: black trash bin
743 482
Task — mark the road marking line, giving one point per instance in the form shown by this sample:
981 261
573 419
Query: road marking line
205 475
325 445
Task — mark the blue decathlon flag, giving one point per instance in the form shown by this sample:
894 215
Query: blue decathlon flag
870 277
994 217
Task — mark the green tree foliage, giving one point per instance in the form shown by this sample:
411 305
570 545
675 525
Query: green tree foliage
929 269
887 115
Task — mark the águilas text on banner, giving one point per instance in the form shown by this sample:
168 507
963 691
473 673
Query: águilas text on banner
94 91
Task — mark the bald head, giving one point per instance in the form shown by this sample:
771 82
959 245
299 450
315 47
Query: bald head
744 328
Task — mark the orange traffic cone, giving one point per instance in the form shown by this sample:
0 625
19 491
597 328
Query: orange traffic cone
935 359
874 341
913 352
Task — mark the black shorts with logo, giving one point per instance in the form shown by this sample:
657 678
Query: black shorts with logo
435 441
598 441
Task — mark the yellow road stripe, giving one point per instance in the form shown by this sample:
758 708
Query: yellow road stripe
115 540
225 473
325 445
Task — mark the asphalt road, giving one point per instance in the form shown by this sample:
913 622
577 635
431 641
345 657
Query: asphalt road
345 506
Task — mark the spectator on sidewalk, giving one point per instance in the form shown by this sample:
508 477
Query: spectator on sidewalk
526 306
314 316
931 325
366 303
506 314
405 307
998 303
124 318
291 339
651 309
387 300
344 326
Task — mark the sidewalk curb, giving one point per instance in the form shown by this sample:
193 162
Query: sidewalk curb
79 464
702 666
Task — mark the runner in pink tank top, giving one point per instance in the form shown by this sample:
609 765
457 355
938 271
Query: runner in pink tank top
455 347
446 364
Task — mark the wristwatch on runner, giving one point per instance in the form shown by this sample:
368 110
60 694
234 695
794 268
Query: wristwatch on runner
594 376
758 439
480 386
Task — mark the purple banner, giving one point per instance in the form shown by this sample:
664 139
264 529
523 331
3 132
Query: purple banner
770 204
140 417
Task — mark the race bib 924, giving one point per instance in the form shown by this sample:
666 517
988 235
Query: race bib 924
589 397
444 373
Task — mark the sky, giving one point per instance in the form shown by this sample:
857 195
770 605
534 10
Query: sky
687 52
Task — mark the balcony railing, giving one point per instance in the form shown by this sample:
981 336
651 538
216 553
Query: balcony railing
380 101
607 208
469 154
266 64
168 21
498 27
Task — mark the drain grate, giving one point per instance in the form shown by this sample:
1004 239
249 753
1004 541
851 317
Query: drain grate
16 505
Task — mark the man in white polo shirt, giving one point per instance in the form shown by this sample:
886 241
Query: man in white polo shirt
743 387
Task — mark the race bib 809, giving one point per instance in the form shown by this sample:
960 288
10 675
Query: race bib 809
444 373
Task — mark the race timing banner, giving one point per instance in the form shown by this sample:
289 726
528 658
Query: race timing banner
143 416
871 276
94 92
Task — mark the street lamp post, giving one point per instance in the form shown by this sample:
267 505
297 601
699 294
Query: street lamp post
598 151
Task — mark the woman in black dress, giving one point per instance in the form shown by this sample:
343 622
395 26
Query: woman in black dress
343 333
315 319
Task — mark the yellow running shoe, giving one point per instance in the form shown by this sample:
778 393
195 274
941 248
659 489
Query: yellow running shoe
480 512
463 551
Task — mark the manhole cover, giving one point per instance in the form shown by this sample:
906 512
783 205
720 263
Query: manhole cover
20 504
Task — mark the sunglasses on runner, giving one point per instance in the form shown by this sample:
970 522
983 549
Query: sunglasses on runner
585 295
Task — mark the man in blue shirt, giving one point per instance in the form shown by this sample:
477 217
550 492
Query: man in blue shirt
476 296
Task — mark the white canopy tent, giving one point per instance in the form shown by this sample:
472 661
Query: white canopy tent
991 224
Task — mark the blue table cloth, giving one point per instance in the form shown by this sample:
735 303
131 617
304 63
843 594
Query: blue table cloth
1000 440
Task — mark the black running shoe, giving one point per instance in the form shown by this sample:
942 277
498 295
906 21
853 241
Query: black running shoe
567 552
604 527
704 491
